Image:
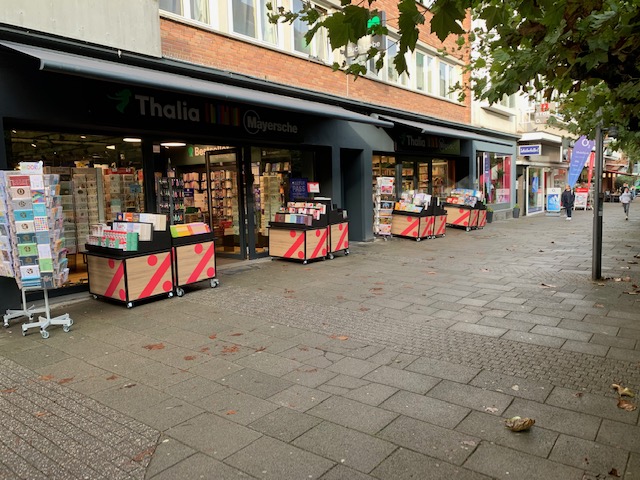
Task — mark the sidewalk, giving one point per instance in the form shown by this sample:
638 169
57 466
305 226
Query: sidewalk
399 361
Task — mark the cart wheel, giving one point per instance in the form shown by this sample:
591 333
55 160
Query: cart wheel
468 229
66 328
44 334
214 282
418 239
95 297
304 262
70 321
170 295
346 252
129 304
179 291
331 257
24 332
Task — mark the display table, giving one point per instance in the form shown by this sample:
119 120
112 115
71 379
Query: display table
430 222
194 260
462 216
297 242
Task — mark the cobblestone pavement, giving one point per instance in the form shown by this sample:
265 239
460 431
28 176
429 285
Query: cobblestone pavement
398 361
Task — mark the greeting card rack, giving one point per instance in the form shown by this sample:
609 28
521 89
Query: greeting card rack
32 242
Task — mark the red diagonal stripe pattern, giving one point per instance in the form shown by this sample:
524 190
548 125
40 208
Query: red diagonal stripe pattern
195 275
343 242
322 243
413 226
429 221
463 219
443 225
299 241
157 276
115 280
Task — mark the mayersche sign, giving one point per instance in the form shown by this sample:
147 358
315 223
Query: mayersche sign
170 111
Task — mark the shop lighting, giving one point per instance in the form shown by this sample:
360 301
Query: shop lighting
83 136
34 145
173 144
132 140
111 147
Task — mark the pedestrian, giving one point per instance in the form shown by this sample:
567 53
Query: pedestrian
567 199
625 200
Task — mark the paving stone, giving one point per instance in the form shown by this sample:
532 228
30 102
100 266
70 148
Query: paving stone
558 313
285 424
340 472
609 341
404 464
199 466
478 329
535 318
620 435
371 394
527 337
633 466
193 389
588 455
236 406
505 463
353 367
129 397
352 414
299 398
268 363
309 376
588 327
345 446
561 332
506 323
473 397
514 386
556 419
268 458
442 369
425 408
168 452
166 414
582 347
346 382
448 445
536 441
624 354
301 353
255 383
213 435
215 369
414 382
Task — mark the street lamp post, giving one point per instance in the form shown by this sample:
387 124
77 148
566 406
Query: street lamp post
598 200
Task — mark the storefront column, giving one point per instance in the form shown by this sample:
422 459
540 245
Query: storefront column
149 181
336 177
6 139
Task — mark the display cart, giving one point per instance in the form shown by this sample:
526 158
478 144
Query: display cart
298 242
194 260
418 223
338 239
130 277
482 217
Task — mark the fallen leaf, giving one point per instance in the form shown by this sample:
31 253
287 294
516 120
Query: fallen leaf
129 385
631 292
376 289
145 453
112 377
601 284
614 473
65 380
339 337
578 394
431 273
623 391
46 378
544 285
231 412
190 357
515 388
599 305
626 405
288 291
261 349
631 262
154 346
364 309
470 443
41 414
517 424
213 336
236 334
484 270
204 349
617 279
491 409
230 349
9 390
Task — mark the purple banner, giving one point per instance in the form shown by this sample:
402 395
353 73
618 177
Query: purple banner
579 157
487 175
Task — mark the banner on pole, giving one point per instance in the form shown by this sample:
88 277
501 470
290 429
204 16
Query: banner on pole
579 156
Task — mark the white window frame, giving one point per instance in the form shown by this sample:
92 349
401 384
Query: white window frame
427 73
319 47
259 5
186 12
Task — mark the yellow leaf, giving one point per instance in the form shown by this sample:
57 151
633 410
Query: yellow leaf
626 405
517 424
623 391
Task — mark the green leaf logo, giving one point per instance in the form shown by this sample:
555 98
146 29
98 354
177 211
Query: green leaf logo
123 97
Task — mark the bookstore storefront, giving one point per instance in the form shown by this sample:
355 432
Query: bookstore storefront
112 130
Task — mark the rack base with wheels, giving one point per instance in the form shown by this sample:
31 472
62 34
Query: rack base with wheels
25 311
411 225
461 216
439 225
194 261
338 239
44 322
297 242
482 219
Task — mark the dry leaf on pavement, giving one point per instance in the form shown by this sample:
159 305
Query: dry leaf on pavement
626 405
614 472
491 409
518 424
339 337
544 285
623 391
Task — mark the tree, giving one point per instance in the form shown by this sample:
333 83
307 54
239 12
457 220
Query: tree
583 54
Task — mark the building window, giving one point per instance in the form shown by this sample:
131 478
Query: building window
249 18
424 72
198 10
319 44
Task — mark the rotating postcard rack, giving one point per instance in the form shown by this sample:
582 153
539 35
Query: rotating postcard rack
32 241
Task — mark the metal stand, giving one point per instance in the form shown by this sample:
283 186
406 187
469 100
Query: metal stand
25 311
44 322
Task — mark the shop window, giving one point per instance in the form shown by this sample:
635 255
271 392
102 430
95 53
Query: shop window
249 17
443 174
495 177
535 187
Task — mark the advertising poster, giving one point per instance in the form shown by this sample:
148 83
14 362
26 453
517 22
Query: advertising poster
553 199
297 188
582 195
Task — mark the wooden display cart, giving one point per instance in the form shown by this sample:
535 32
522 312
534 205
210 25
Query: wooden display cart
462 216
297 242
412 225
129 277
194 260
482 218
338 239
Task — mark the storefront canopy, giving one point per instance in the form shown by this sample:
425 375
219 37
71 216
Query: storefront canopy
71 64
444 131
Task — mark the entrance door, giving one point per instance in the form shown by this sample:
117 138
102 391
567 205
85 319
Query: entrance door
225 201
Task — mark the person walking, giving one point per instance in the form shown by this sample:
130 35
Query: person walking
625 200
567 199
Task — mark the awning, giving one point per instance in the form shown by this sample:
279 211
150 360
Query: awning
444 131
71 64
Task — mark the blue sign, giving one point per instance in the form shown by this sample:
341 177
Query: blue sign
529 150
553 200
579 157
297 188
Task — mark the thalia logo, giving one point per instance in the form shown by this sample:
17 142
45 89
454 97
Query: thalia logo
253 125
179 110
